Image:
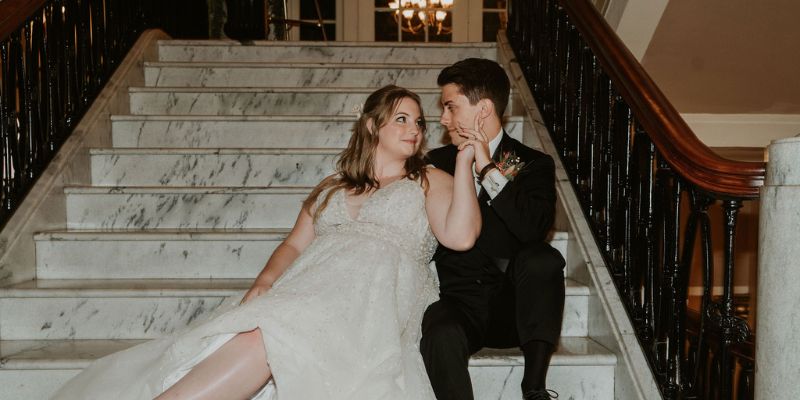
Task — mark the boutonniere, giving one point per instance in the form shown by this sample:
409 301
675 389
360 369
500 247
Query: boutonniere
509 165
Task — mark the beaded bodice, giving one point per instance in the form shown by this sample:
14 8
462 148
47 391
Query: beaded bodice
395 214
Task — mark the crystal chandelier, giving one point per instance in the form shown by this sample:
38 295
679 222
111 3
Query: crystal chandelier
414 16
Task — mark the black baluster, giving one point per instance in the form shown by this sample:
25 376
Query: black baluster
675 299
52 105
7 128
731 329
746 384
69 76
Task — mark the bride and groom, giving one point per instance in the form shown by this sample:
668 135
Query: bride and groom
346 307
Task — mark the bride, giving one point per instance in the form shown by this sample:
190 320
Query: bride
336 312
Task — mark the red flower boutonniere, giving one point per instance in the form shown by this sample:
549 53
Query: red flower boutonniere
509 165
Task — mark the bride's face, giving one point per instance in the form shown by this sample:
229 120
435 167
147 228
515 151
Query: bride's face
402 134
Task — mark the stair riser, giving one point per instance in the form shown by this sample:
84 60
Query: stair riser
257 103
211 169
32 384
319 54
165 210
157 259
571 382
253 134
53 318
289 77
175 259
98 317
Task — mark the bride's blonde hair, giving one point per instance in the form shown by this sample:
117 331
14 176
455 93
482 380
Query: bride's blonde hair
355 167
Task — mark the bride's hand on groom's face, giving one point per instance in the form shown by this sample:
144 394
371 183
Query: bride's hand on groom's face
476 138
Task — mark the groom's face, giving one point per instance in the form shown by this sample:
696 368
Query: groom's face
456 111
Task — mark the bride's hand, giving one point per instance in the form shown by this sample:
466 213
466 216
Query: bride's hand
466 152
255 291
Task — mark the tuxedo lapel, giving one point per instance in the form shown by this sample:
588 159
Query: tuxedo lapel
506 145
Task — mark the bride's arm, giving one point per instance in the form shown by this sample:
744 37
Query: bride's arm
299 238
452 204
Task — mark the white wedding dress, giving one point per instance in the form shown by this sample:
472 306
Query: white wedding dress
343 322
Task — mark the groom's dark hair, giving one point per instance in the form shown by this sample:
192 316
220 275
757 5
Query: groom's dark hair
479 78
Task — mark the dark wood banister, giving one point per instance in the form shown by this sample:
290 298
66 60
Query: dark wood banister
14 13
676 142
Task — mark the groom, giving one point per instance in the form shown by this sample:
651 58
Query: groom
508 290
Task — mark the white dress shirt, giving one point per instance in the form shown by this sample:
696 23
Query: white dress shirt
494 181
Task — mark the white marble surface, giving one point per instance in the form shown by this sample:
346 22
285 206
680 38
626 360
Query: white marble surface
570 382
259 101
783 168
777 361
330 52
170 254
116 309
37 384
145 308
43 206
290 75
154 254
191 208
266 101
212 167
99 318
577 375
255 131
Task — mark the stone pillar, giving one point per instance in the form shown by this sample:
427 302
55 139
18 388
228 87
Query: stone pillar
778 298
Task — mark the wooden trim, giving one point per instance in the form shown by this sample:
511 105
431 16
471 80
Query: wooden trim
672 136
14 13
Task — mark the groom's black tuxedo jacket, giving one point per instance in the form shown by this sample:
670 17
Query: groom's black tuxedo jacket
521 214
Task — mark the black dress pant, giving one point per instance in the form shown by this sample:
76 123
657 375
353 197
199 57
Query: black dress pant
526 304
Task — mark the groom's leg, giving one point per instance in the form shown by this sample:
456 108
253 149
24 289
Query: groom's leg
445 349
537 275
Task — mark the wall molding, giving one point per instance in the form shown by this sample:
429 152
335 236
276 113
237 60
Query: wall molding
742 130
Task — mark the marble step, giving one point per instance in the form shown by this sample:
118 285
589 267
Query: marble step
149 308
161 254
263 101
182 207
165 254
330 52
211 167
230 74
254 131
581 369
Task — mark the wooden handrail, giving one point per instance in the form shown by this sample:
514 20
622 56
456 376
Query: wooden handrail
14 13
675 141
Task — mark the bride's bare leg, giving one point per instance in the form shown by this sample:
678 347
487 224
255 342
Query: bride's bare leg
235 371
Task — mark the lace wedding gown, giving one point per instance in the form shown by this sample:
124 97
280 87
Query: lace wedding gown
343 322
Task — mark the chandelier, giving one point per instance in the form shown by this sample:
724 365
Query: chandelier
414 16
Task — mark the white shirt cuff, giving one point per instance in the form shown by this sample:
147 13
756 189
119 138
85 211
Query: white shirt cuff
494 182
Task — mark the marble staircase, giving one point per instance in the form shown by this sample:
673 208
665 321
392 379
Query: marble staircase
203 179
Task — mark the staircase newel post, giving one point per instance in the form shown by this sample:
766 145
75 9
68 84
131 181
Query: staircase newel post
778 302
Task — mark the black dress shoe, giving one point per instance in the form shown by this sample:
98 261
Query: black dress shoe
541 394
